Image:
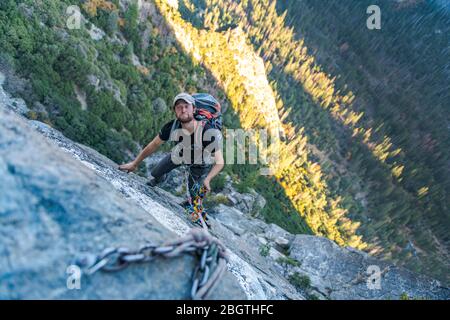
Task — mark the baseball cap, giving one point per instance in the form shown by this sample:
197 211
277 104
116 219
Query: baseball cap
184 96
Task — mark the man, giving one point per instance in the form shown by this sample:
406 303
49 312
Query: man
189 134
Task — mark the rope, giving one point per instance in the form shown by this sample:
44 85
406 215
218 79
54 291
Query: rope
195 203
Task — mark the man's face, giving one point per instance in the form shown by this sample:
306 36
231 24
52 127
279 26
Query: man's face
184 111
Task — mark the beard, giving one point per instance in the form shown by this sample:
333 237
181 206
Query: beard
186 119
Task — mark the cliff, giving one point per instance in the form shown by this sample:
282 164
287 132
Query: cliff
60 201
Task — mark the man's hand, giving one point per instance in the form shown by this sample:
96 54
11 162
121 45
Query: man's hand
129 167
148 150
218 157
207 185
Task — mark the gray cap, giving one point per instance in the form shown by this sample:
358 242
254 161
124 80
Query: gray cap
184 96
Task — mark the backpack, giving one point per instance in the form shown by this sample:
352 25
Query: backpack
207 110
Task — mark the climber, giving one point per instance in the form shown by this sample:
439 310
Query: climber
185 132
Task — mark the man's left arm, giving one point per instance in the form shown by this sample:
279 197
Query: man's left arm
218 166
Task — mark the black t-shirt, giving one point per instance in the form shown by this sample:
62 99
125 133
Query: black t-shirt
207 138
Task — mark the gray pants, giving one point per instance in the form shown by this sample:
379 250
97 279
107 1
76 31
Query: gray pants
197 173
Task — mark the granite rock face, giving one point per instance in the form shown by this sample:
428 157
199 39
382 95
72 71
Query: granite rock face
54 209
346 273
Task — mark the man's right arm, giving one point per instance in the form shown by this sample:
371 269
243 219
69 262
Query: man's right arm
147 151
